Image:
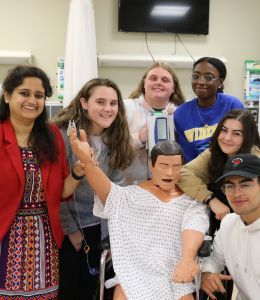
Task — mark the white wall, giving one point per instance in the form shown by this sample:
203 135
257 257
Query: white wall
40 26
233 34
36 25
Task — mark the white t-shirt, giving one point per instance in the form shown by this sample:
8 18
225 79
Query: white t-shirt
145 237
237 246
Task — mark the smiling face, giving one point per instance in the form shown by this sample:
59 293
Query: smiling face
166 171
245 202
206 91
102 108
27 100
158 86
231 138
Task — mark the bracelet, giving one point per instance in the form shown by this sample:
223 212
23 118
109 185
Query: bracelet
208 199
75 176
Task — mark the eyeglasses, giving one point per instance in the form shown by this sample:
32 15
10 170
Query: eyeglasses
229 188
206 78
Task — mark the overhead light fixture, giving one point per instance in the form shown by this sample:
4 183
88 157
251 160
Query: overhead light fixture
145 61
169 11
141 61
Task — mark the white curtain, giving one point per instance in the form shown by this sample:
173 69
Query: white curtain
80 54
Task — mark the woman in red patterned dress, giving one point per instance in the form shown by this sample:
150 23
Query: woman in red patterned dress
34 179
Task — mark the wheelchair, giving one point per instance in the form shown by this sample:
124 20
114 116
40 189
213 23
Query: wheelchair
105 271
107 266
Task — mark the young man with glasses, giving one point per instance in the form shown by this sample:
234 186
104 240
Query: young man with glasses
237 243
196 120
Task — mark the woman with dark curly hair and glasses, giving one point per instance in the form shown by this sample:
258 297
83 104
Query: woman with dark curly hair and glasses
196 120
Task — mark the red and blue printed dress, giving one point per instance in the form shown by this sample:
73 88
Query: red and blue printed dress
28 252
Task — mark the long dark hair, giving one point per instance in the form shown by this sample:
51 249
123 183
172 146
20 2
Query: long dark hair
176 97
218 64
41 138
250 139
117 136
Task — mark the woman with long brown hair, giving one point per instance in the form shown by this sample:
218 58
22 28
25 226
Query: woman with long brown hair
99 110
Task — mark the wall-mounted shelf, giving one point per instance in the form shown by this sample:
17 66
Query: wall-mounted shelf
15 57
144 61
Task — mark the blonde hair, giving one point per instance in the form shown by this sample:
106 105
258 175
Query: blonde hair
176 97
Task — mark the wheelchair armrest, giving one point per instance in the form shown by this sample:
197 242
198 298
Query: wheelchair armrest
104 244
205 249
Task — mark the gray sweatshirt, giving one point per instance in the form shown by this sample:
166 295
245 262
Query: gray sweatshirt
78 212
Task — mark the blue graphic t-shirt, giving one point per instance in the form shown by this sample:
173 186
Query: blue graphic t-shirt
195 126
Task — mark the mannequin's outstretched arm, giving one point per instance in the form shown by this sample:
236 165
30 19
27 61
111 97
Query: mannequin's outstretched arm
99 182
187 268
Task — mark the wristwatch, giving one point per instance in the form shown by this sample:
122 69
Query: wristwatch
75 176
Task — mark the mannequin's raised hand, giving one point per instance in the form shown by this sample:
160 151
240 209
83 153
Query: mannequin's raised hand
80 146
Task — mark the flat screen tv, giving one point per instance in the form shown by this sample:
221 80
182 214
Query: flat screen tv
172 16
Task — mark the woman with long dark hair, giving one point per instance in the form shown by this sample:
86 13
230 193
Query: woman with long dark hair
34 179
235 133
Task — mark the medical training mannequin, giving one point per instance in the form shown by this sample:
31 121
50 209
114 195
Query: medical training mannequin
155 230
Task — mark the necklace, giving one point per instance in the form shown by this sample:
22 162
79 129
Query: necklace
204 123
